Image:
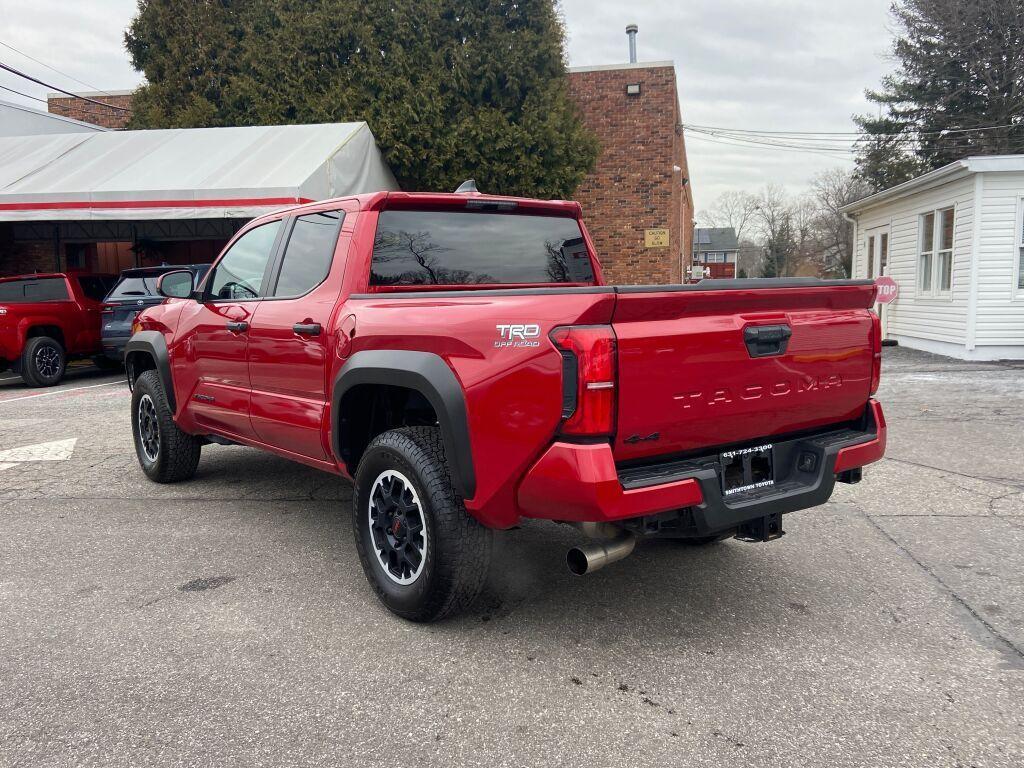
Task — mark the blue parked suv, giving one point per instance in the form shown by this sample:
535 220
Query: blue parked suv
134 292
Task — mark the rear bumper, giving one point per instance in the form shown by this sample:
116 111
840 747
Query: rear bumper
580 483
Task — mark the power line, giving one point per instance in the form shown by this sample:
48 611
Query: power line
772 142
956 142
836 154
861 134
36 98
14 71
53 69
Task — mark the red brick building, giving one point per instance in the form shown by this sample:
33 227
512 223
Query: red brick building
641 184
115 116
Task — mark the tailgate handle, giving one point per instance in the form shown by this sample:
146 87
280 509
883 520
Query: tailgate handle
767 340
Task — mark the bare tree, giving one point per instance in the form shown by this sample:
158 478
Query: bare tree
787 235
774 218
417 248
831 190
731 209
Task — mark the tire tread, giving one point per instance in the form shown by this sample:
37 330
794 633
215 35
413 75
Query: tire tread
27 367
464 545
179 451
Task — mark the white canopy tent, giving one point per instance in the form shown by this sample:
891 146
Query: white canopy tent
187 173
19 120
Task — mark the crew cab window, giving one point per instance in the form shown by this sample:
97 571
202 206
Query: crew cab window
239 274
466 248
308 256
27 291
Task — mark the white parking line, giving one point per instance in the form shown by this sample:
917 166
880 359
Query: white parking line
55 450
60 391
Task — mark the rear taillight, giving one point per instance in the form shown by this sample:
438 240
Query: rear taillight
588 379
876 349
107 309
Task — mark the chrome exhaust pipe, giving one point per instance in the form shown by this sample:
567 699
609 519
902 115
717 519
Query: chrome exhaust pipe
595 555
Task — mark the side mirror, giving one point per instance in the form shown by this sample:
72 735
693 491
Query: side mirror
175 285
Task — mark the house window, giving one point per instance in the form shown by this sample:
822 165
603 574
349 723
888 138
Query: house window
871 257
935 257
1020 256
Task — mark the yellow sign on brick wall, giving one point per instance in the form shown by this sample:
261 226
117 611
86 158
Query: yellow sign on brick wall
655 238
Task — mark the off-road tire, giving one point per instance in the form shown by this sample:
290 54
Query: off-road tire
30 370
458 547
177 454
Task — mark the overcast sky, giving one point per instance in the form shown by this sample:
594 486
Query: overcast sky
777 65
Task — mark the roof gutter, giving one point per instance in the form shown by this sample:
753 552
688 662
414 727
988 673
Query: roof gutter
926 181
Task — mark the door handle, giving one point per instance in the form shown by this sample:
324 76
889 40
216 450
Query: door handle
767 340
237 326
307 329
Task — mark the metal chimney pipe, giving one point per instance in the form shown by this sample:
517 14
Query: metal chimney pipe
631 31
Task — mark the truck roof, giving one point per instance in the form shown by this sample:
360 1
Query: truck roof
42 275
376 201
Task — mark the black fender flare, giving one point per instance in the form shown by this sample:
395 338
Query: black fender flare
423 372
152 344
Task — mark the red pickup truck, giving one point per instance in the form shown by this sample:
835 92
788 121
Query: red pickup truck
48 319
460 358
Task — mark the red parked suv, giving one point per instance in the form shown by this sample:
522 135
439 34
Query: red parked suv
459 357
46 320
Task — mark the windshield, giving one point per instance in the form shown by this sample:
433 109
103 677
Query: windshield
134 286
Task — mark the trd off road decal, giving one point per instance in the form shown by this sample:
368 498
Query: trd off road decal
517 335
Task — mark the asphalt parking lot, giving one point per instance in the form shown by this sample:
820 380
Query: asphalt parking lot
226 621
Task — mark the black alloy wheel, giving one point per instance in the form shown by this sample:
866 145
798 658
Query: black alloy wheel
398 527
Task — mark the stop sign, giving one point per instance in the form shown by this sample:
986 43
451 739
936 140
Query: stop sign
888 289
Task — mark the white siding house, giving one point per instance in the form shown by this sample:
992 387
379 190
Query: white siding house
953 240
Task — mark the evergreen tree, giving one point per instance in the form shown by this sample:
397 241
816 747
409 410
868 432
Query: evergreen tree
958 89
452 90
188 52
780 249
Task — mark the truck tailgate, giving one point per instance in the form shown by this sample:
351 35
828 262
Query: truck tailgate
692 376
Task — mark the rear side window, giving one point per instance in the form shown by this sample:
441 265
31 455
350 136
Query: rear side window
464 248
26 291
307 259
